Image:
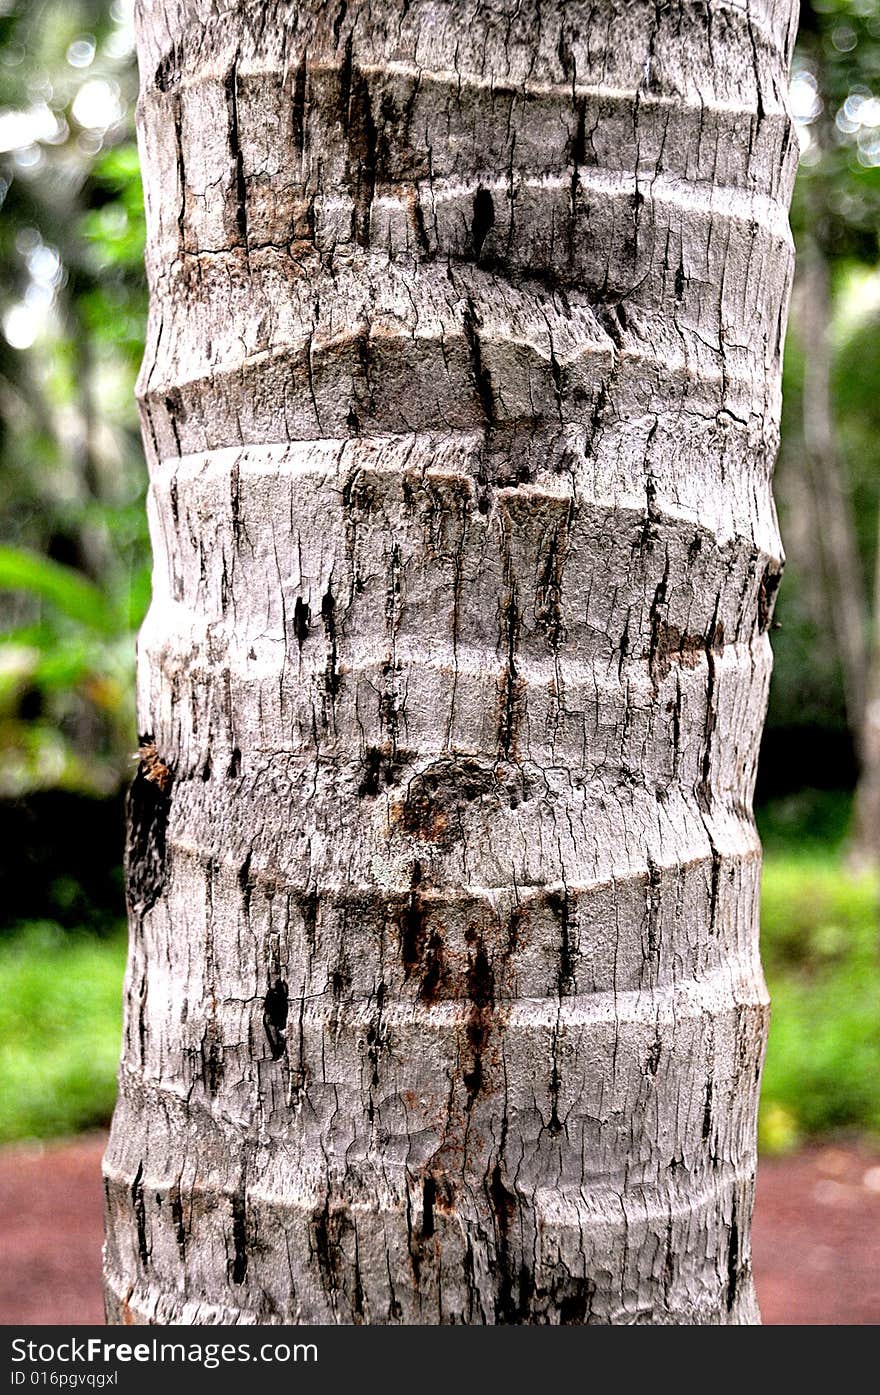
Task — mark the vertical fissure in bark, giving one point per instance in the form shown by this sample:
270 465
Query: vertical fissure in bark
481 376
238 1265
140 1214
147 810
235 150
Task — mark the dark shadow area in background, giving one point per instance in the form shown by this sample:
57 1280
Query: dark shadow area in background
792 757
61 859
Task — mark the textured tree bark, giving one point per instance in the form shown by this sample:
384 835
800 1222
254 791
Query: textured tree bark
461 398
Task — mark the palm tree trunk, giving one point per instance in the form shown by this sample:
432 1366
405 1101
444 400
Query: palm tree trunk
461 399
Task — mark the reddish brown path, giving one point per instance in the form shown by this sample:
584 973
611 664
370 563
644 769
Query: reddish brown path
51 1200
816 1237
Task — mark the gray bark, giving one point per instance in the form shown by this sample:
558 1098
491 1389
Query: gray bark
461 400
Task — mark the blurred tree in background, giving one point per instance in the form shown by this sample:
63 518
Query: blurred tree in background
827 477
74 560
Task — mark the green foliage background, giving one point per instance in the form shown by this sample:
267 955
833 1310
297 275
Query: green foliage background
74 567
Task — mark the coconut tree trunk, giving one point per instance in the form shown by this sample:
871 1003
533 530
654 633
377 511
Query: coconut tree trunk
461 398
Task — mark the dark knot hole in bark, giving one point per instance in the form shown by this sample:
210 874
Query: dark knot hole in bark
302 621
483 219
275 1008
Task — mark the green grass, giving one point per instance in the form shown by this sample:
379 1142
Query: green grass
60 998
60 1009
820 933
